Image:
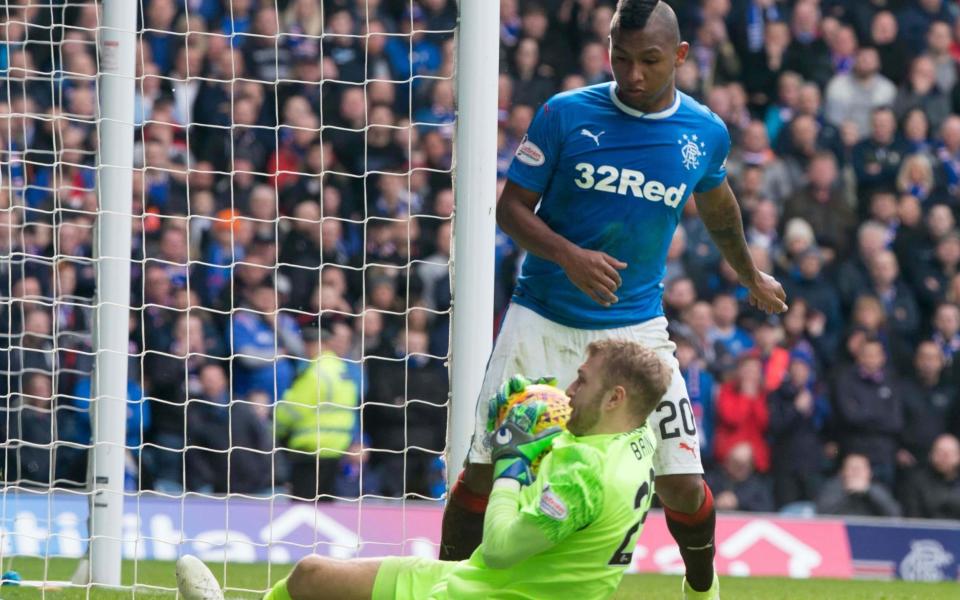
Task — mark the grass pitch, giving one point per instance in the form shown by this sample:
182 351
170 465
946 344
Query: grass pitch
247 580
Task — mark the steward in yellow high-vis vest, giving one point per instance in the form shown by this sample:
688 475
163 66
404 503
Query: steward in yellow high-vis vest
319 412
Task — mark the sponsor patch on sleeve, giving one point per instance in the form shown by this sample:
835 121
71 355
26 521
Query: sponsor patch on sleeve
529 153
552 506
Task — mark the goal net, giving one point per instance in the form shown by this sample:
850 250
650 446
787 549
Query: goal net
289 297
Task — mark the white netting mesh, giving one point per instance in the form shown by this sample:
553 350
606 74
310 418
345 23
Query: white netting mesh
290 299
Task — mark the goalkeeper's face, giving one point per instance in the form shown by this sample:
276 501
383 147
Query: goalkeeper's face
588 395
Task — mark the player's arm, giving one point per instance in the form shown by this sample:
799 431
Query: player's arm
563 500
594 273
720 213
508 536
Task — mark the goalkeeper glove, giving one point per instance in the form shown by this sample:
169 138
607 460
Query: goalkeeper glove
515 447
512 386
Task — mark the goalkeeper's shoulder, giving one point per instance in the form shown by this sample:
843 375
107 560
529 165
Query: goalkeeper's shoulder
569 492
575 465
569 452
594 463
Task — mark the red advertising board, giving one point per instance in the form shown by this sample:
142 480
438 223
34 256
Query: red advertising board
755 545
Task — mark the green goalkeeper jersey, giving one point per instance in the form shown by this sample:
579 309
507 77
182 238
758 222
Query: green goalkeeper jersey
589 502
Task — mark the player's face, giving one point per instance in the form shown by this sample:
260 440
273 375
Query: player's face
587 394
644 62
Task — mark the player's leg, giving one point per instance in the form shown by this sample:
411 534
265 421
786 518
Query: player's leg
527 344
692 520
321 578
313 578
687 500
393 578
461 530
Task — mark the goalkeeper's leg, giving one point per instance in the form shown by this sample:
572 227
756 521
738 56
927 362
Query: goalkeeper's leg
313 578
321 578
392 578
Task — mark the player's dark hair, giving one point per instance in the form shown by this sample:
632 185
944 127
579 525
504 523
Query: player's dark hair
632 14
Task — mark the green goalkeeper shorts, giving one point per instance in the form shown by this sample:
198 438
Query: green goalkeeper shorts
412 578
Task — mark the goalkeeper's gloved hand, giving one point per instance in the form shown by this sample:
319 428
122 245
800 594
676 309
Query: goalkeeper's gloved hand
515 447
515 384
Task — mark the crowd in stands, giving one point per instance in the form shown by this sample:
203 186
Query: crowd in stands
292 202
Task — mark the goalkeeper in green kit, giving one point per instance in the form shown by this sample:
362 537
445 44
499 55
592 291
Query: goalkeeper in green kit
566 532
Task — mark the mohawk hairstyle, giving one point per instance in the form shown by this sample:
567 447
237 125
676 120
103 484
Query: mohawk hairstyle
632 14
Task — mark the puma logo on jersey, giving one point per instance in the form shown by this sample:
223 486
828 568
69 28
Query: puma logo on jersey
592 136
612 180
688 448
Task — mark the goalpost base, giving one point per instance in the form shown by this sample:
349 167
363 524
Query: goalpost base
81 575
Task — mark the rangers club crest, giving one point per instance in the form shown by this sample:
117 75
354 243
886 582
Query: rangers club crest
691 150
926 561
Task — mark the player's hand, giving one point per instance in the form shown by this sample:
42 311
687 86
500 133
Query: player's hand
514 385
766 293
514 445
595 273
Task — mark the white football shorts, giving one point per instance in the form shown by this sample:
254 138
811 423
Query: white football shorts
534 346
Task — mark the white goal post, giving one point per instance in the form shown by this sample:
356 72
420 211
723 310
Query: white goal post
112 241
475 224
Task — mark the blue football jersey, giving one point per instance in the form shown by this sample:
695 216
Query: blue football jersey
613 179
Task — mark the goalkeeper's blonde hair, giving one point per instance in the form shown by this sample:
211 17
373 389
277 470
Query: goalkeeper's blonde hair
643 374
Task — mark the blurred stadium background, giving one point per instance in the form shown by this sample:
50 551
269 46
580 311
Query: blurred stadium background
292 203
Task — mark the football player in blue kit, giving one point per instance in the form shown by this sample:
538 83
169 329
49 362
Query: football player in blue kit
594 195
